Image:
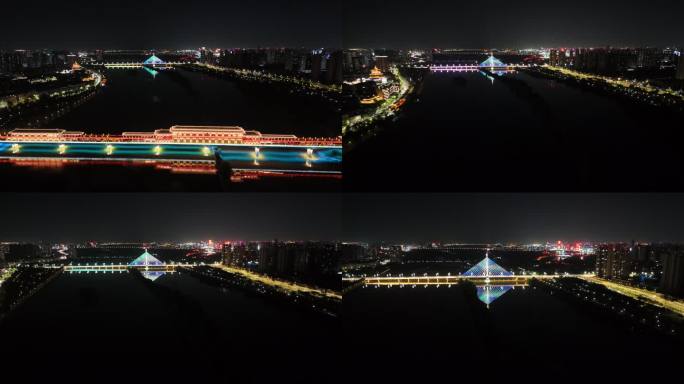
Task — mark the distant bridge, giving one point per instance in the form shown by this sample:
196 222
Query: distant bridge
473 68
144 262
492 64
149 266
137 65
153 61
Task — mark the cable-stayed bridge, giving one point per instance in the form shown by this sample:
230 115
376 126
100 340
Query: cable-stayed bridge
486 271
490 279
492 64
153 62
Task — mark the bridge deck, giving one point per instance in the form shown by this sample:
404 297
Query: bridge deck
434 280
123 267
272 158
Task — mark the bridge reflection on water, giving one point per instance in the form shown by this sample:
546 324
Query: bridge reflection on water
149 266
490 280
486 292
490 68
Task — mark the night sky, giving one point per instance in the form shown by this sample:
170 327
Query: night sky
512 24
127 24
467 218
528 218
169 217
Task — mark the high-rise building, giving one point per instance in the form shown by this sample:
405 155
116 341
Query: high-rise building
604 60
235 254
382 63
616 261
316 65
4 248
285 259
11 62
680 67
562 57
353 252
648 57
314 262
335 66
672 280
23 251
267 257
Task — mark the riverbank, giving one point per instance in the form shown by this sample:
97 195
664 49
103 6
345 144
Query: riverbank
46 102
22 285
638 92
357 125
277 292
632 312
330 93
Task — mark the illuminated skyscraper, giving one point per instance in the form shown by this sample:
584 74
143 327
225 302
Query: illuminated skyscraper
614 261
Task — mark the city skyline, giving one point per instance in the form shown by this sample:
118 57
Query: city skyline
502 24
513 218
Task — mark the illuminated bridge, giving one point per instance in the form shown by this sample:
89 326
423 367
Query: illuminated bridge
492 64
150 267
491 280
153 61
485 272
243 150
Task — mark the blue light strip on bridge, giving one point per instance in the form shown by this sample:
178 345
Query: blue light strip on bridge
176 151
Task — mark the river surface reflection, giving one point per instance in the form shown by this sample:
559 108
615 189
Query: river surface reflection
499 332
517 131
122 327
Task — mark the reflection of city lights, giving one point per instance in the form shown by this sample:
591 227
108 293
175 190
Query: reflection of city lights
310 157
257 155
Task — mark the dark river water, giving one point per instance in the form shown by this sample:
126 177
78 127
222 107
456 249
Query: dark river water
518 132
137 100
117 327
526 335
